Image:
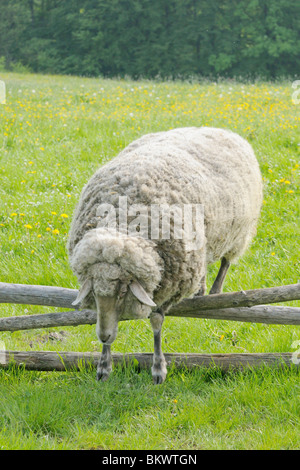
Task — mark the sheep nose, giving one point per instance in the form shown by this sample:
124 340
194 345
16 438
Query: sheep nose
104 338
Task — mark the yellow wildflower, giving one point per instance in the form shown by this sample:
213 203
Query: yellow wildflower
65 216
55 231
28 226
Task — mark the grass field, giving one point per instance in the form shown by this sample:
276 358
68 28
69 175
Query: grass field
54 133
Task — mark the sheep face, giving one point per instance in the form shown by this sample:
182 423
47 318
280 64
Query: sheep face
118 276
115 296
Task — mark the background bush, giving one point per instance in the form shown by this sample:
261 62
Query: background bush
150 38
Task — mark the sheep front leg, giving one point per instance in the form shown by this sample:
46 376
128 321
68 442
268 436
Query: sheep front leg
159 368
104 367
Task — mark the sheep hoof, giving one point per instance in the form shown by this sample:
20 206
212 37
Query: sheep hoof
159 373
158 379
103 370
102 375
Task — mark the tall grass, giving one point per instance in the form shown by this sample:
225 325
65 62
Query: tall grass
55 132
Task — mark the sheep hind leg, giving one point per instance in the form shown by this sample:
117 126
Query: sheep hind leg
217 286
159 367
202 289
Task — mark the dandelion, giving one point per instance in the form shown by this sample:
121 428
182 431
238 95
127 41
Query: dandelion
28 226
13 214
273 254
55 231
48 229
65 216
54 213
222 337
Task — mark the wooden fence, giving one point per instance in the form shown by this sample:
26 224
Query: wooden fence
244 306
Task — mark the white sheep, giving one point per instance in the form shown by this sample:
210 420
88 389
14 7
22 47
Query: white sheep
130 275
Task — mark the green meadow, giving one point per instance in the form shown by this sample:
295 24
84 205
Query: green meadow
54 133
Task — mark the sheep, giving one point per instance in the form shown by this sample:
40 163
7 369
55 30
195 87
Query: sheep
127 274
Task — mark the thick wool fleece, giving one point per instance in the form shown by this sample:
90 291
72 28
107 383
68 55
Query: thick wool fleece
212 167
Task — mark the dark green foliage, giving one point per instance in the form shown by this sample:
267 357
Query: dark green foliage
150 38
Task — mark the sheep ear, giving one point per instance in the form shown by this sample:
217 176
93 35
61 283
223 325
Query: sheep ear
83 292
140 293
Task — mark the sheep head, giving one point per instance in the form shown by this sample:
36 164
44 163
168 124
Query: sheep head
118 276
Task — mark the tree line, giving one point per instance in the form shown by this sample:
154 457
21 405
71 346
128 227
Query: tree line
152 38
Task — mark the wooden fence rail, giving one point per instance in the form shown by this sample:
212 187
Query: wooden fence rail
260 314
63 297
235 306
245 306
66 361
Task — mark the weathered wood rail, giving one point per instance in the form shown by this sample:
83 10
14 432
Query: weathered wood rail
260 314
242 306
67 361
245 306
63 297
